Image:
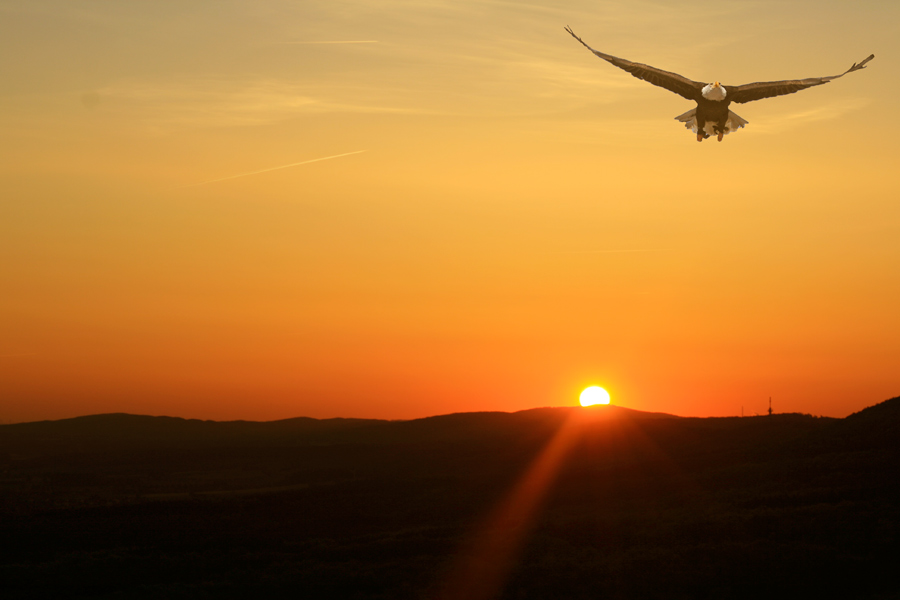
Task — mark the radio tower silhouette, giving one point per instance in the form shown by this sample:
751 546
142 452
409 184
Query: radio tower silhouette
770 406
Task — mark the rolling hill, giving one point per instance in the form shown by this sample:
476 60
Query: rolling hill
637 505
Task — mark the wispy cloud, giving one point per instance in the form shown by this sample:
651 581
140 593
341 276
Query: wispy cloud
624 251
423 57
826 112
206 102
237 102
296 164
616 251
329 42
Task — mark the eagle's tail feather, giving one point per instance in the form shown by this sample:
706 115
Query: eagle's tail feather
689 119
733 123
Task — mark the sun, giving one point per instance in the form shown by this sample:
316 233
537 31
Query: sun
594 395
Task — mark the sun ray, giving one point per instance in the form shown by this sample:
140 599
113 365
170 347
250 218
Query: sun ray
483 567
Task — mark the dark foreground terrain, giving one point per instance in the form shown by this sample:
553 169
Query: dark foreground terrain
636 505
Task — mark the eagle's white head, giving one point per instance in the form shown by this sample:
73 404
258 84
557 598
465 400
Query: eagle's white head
714 91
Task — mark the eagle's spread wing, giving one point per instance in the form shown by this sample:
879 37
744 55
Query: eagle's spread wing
673 82
768 89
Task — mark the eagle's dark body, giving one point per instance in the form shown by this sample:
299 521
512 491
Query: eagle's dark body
712 115
712 111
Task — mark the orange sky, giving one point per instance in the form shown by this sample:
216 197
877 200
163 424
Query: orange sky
525 219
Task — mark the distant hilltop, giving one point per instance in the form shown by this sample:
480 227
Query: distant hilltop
135 429
880 420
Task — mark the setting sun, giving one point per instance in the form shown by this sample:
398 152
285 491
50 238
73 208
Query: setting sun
594 395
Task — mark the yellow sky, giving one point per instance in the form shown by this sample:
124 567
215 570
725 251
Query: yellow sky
508 219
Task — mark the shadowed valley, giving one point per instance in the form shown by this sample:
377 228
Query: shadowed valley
636 505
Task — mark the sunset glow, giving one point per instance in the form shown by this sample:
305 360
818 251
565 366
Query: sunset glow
263 210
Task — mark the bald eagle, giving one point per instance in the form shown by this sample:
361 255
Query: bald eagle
711 116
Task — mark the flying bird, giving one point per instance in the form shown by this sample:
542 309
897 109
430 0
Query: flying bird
711 116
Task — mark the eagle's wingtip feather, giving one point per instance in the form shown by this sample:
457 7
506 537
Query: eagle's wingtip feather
861 65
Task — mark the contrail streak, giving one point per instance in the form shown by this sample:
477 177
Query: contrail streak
304 162
629 251
335 42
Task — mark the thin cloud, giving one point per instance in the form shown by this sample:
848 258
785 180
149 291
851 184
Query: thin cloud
235 102
827 112
296 164
624 251
331 42
208 102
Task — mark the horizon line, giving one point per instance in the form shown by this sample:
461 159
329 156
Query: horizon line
388 420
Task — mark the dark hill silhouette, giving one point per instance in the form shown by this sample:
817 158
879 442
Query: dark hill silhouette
875 425
127 432
121 428
642 505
